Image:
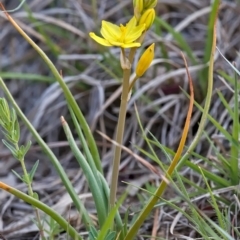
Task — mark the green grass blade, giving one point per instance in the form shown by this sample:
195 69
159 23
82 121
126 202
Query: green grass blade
208 174
65 180
67 93
214 203
235 135
226 104
49 211
26 76
93 180
209 44
208 99
110 218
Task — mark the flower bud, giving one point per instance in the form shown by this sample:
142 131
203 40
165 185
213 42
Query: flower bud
138 8
147 18
149 4
145 60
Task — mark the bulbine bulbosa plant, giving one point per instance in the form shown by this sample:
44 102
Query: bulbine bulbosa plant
111 224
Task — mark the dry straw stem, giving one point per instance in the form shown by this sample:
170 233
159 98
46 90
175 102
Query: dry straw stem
119 136
120 129
160 190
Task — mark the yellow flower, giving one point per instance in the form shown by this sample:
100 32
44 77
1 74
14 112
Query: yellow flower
145 60
119 36
147 18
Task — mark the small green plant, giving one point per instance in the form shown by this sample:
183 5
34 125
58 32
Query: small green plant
11 131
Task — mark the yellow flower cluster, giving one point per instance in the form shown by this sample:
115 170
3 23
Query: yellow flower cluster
127 36
120 36
130 35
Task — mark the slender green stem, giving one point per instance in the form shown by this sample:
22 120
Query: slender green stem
30 192
235 135
68 95
120 129
119 136
208 99
49 211
93 180
160 190
68 185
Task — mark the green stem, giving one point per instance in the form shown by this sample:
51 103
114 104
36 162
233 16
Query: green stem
68 185
68 95
119 136
120 129
85 147
30 192
93 180
208 98
36 203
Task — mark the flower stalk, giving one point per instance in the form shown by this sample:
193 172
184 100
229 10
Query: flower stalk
119 135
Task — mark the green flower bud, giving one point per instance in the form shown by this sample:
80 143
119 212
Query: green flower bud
149 4
138 8
147 18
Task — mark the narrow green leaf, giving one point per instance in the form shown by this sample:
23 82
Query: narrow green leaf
94 184
93 233
235 135
26 76
208 45
11 148
226 104
110 219
17 175
26 148
35 195
215 205
111 236
211 176
33 170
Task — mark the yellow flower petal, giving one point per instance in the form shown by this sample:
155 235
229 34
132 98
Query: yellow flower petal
132 23
115 43
133 34
110 31
99 40
130 45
